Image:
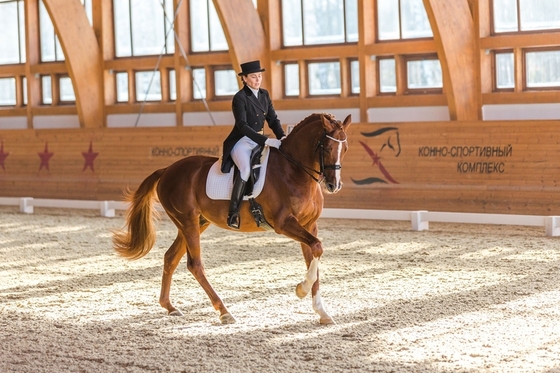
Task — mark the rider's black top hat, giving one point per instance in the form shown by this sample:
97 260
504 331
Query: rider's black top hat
250 67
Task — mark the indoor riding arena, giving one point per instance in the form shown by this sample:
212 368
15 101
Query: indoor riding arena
439 254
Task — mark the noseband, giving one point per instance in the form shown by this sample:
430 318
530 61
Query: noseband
322 166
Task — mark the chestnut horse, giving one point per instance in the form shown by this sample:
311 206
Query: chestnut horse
308 161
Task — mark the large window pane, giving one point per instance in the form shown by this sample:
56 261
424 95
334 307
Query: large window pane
199 84
12 37
148 86
50 46
123 38
66 89
543 69
7 91
388 20
323 22
122 86
505 15
313 22
387 75
505 77
291 22
539 14
226 82
291 79
207 33
351 12
324 78
414 20
424 74
142 27
218 41
148 30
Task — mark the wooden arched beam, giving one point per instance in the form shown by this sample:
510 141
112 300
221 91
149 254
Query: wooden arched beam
244 33
83 58
454 35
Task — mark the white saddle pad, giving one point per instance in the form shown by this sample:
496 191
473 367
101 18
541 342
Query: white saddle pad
220 185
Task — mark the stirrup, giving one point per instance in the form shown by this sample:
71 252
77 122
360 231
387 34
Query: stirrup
233 220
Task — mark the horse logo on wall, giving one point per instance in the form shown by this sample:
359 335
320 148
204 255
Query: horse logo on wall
389 146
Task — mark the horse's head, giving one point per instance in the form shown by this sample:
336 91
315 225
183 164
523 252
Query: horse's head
332 148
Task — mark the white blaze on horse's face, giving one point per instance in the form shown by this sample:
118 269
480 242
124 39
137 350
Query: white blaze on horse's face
340 149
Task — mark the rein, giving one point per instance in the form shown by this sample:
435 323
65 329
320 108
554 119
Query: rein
322 165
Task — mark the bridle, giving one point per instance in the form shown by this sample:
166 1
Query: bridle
322 166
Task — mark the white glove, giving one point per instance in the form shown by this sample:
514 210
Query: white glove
273 143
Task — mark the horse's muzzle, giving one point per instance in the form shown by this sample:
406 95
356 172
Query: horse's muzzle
333 187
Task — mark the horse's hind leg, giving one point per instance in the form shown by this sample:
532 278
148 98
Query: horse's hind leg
170 262
196 267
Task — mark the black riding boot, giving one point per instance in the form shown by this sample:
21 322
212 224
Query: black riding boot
233 219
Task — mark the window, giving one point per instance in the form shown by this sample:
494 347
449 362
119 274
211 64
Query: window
355 77
324 78
46 89
225 82
423 75
542 69
24 85
199 84
505 73
525 15
148 86
66 89
313 22
7 91
122 86
206 30
291 79
402 19
51 49
143 27
387 74
12 37
172 85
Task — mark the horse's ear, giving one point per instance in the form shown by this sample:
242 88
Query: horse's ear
327 124
347 122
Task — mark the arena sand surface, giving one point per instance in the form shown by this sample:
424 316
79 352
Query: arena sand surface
456 298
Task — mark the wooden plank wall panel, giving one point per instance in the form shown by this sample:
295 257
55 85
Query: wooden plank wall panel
493 167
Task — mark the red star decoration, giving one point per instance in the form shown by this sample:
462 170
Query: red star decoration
89 156
3 155
45 157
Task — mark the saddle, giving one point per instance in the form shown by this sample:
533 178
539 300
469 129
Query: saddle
255 208
219 185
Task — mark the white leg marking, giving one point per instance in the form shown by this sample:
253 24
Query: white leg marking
310 276
320 310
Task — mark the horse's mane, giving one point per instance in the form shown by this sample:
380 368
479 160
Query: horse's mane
309 119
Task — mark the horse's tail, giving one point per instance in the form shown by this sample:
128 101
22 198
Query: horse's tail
138 236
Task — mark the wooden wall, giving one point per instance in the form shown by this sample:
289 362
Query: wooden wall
493 167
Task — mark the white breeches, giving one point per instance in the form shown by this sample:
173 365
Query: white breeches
241 154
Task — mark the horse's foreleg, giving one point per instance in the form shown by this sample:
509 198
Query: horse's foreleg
311 276
171 261
312 250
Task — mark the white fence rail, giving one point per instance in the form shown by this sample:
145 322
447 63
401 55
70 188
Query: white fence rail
419 219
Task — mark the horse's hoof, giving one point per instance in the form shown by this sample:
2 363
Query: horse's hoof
299 291
175 313
327 320
227 318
